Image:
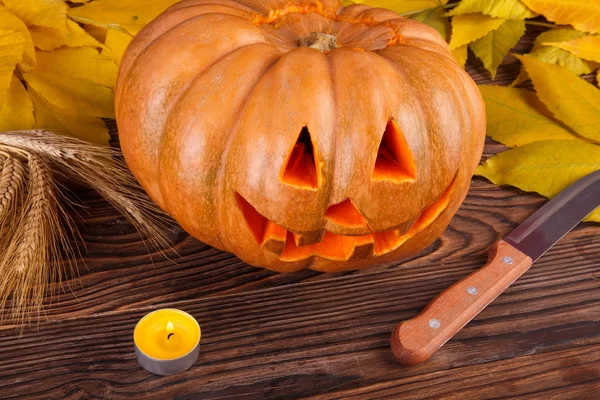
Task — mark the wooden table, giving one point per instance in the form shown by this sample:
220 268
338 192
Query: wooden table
268 335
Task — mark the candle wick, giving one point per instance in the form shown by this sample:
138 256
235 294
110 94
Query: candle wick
169 336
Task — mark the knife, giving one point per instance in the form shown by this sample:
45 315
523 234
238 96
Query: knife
415 340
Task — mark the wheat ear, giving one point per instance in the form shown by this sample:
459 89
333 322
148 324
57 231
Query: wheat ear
12 181
36 228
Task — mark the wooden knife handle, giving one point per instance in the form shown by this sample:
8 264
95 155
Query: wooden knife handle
417 339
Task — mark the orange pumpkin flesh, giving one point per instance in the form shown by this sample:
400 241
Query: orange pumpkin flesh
299 134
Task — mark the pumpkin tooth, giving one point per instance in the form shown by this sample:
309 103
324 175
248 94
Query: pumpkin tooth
391 240
295 247
431 213
255 222
300 167
345 214
308 238
394 161
274 237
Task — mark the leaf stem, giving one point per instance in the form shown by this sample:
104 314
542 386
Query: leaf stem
447 6
83 20
544 24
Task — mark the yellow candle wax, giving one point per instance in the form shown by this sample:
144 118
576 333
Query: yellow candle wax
166 335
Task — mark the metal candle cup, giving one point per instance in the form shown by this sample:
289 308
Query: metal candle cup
167 341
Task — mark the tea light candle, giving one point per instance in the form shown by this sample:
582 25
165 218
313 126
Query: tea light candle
167 341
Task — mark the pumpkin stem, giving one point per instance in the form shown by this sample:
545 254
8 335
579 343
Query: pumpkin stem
324 42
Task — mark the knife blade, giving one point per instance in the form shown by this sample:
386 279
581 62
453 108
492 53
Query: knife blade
415 340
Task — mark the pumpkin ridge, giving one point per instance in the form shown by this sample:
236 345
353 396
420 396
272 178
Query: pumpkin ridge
457 95
149 45
181 5
472 89
176 104
127 65
415 46
150 131
220 185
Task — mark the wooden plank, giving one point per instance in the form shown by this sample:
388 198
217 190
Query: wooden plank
268 335
314 337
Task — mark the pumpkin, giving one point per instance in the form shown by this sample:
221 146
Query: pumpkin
299 133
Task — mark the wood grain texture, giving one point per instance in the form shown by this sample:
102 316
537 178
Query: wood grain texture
325 336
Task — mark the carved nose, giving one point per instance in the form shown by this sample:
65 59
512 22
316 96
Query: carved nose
345 214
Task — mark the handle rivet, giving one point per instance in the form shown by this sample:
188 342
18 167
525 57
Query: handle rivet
434 323
472 290
507 260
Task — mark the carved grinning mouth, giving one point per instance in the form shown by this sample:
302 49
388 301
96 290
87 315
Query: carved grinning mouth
285 243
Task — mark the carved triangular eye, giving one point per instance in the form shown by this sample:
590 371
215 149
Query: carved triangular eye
299 169
394 161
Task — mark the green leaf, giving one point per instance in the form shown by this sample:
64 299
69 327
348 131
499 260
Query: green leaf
507 9
493 47
516 117
546 167
571 99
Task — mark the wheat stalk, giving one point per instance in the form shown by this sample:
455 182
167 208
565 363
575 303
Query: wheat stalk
34 222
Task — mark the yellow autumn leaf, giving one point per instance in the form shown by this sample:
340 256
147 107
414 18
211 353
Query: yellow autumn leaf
10 22
49 38
507 9
582 14
470 27
516 117
11 52
17 110
48 13
79 63
402 6
556 35
97 32
493 47
49 116
436 18
75 94
460 55
587 47
554 55
116 43
571 99
131 15
545 167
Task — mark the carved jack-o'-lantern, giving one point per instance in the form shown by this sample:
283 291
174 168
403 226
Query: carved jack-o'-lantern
299 133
